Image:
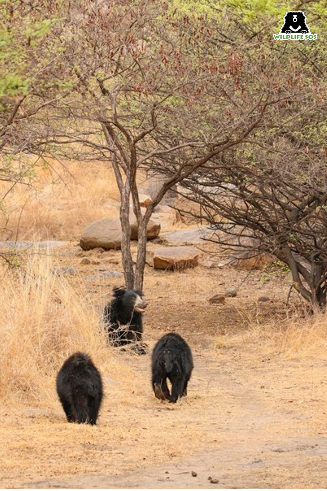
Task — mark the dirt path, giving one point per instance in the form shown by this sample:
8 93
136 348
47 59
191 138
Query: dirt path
265 428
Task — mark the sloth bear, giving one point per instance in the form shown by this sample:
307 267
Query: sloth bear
123 318
172 359
79 387
294 23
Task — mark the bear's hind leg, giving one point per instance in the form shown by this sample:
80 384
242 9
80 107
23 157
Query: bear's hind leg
93 407
177 390
160 389
184 393
70 415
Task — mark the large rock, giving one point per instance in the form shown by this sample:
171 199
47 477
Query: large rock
173 258
105 233
152 230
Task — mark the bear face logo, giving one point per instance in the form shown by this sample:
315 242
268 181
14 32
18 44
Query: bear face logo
295 23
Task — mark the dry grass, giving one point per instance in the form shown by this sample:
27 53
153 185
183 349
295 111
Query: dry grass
301 336
62 200
289 337
44 321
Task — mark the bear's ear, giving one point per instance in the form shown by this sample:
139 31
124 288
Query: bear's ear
138 292
118 291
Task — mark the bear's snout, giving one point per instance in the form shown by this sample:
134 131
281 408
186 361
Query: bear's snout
140 304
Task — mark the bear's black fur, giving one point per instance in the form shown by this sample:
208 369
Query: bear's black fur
79 387
123 316
295 23
172 359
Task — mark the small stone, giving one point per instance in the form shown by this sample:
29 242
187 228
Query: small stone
86 260
194 474
99 250
231 292
214 481
206 263
216 299
145 200
263 299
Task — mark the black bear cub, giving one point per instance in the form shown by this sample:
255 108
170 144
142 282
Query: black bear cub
172 359
79 387
123 317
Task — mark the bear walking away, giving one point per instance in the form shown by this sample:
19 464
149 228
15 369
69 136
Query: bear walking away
171 359
79 387
123 318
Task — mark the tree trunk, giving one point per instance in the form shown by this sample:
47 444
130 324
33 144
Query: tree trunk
318 285
141 253
127 259
309 281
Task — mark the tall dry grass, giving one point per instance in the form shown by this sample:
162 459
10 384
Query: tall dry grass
291 336
61 200
301 336
43 321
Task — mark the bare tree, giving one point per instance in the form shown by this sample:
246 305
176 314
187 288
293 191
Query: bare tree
275 210
146 96
269 194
